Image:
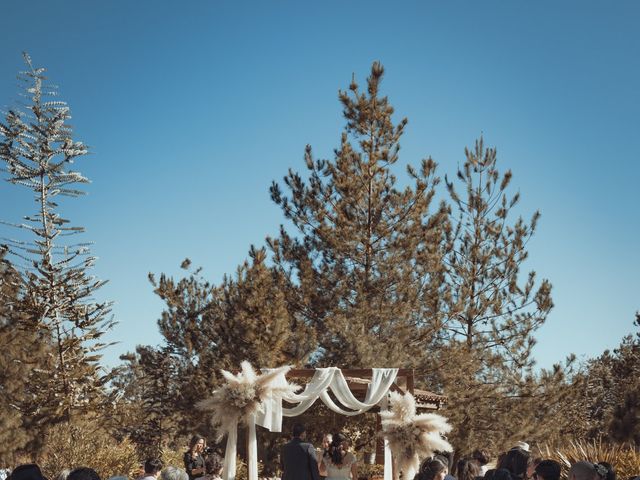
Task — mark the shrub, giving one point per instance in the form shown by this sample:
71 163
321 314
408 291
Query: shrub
70 446
624 458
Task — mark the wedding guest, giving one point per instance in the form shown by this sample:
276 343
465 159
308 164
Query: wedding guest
327 438
83 473
532 466
516 461
483 458
194 458
467 469
610 473
547 470
582 471
432 469
339 463
213 468
173 473
152 468
28 471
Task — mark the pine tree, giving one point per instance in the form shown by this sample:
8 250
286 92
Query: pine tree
364 258
210 327
149 392
58 305
611 384
485 367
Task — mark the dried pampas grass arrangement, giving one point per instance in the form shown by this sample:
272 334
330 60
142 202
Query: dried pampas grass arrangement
242 395
412 437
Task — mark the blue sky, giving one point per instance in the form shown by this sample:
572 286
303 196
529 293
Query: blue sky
192 109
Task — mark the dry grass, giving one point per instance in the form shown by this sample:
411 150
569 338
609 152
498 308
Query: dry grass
624 458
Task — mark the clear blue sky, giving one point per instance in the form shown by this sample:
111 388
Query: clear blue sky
193 108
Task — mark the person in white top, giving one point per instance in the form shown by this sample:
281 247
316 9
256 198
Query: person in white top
339 463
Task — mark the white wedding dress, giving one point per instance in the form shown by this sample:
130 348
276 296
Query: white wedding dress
339 472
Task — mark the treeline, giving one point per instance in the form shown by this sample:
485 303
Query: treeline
363 273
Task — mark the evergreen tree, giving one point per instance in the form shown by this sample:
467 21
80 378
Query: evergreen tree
211 327
57 305
485 367
611 383
364 258
149 392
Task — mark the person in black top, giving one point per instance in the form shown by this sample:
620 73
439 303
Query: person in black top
194 459
298 458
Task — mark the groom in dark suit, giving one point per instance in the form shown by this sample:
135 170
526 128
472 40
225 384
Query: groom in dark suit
298 458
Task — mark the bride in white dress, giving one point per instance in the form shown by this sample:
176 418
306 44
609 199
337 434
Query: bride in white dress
338 463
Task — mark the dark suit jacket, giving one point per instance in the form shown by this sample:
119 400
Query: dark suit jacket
298 461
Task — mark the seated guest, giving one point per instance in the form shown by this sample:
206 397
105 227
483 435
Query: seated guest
610 473
516 461
467 469
547 470
173 473
583 471
152 468
483 458
83 473
213 468
432 469
532 466
29 471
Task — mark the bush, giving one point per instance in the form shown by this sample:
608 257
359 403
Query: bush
86 445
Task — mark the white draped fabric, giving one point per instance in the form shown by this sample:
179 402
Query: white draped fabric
323 381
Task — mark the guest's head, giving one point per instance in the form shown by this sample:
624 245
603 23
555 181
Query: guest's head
298 430
516 461
488 475
532 466
327 438
197 444
610 473
547 470
153 466
467 469
29 471
64 474
213 465
583 471
481 456
433 469
338 449
173 473
83 473
502 474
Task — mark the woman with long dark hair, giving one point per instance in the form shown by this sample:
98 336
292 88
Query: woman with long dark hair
338 463
194 458
432 469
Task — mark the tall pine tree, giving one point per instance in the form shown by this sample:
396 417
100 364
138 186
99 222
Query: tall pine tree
485 366
364 257
58 306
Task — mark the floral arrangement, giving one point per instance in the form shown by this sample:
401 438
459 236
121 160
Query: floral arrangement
412 437
243 395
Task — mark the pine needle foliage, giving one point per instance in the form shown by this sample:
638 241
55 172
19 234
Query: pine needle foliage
363 257
485 363
38 150
488 308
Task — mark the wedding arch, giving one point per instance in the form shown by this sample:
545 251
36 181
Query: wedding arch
259 399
